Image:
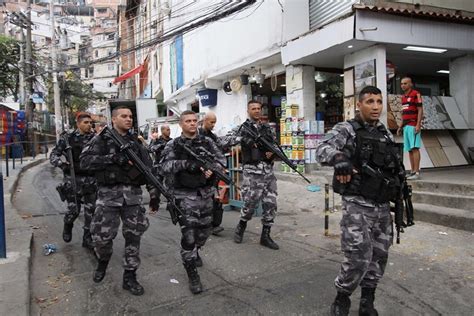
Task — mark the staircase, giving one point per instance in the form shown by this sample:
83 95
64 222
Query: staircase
447 204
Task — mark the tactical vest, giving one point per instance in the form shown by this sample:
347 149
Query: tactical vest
252 155
77 143
377 162
128 174
209 134
184 178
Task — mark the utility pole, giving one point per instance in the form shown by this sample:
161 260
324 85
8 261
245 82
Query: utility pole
29 84
21 75
57 97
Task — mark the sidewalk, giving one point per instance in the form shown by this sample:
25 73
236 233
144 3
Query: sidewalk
15 269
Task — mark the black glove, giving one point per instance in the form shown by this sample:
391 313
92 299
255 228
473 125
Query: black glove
193 166
342 165
154 204
120 159
64 165
247 141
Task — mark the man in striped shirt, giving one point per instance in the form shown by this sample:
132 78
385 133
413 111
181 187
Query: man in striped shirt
412 115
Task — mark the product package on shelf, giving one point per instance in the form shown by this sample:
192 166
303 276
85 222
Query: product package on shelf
292 140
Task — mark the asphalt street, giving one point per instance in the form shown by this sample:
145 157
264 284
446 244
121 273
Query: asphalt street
430 273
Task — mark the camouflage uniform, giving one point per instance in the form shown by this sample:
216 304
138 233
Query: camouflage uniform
119 197
156 148
223 143
85 182
367 229
197 202
259 183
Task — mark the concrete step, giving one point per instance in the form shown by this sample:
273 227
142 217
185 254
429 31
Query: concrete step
443 187
455 201
445 216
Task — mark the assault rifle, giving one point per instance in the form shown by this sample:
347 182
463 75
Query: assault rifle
177 215
72 172
205 158
406 194
271 147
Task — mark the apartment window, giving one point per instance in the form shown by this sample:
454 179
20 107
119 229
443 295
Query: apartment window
96 53
91 85
111 37
102 10
110 51
156 60
110 84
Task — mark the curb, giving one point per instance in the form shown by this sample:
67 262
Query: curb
17 280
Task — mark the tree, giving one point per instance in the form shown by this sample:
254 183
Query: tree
77 95
9 66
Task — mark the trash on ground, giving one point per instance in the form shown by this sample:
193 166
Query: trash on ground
49 249
313 188
443 233
174 281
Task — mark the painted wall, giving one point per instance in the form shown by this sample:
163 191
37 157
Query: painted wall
378 53
461 79
225 46
222 44
409 31
294 24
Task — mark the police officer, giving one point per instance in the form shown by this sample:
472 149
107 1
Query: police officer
119 197
259 182
194 189
366 173
156 148
85 182
208 123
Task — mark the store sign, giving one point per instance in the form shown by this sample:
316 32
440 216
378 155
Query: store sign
208 97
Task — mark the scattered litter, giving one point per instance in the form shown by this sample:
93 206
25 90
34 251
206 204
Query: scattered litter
40 299
390 263
304 235
174 281
49 249
443 233
35 227
26 216
313 188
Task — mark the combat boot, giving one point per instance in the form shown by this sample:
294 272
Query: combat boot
341 305
67 232
239 231
266 240
99 273
194 280
366 307
131 284
198 260
87 242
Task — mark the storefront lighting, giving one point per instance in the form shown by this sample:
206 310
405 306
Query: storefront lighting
283 85
341 75
426 49
443 71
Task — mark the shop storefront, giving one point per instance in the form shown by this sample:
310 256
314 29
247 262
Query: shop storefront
379 49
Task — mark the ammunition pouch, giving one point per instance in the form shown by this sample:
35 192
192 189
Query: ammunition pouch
185 179
380 187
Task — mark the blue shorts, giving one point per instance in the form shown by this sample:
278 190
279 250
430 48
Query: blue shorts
410 138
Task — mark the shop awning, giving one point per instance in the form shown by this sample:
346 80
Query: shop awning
129 74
